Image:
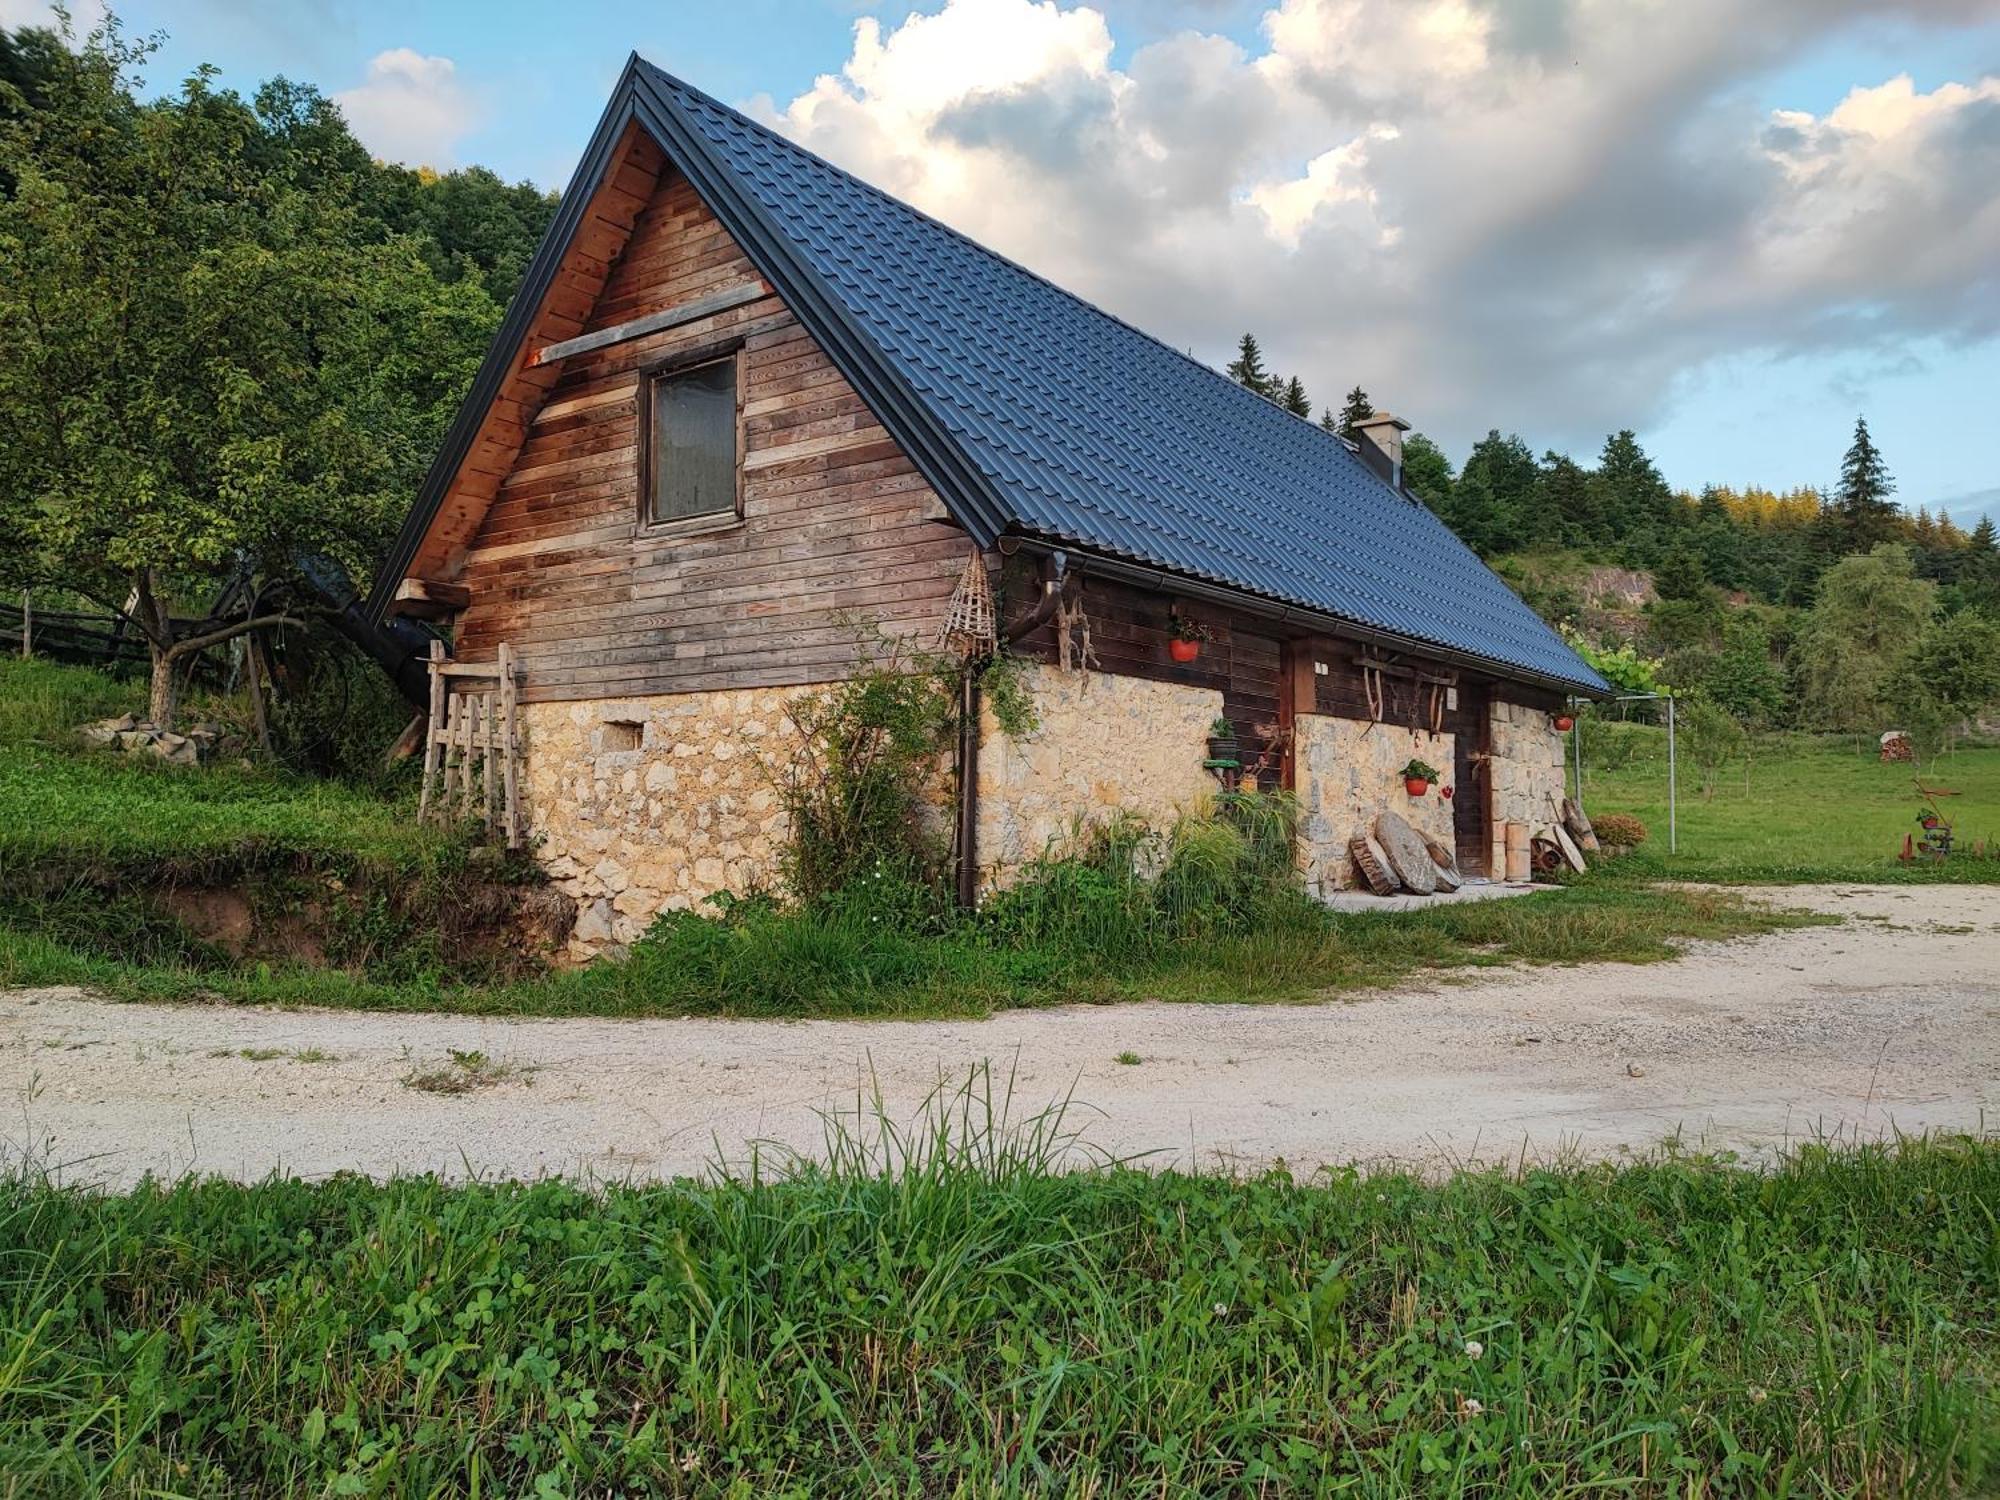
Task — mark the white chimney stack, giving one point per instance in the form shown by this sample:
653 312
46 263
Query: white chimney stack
1384 434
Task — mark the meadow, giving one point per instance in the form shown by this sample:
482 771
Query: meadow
1795 808
938 1311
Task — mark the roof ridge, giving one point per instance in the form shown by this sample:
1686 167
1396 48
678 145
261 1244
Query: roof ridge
905 206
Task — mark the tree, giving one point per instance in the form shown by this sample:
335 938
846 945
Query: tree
1982 538
1295 400
209 357
1871 610
1355 410
1710 738
1746 680
1247 369
1952 676
1863 512
1427 472
1494 492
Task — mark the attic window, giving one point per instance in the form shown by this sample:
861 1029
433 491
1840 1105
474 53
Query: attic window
690 442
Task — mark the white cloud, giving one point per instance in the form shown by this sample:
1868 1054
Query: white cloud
85 15
1486 211
411 108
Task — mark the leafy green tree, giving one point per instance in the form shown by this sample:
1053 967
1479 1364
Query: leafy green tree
469 221
1494 491
1709 737
1355 410
1427 472
203 363
1295 400
1247 369
1951 676
1746 679
1871 611
1863 511
1570 502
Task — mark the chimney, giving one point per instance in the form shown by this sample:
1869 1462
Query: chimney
1381 440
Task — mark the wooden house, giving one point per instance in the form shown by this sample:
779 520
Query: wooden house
743 398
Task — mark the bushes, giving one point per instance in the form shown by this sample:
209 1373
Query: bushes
1620 829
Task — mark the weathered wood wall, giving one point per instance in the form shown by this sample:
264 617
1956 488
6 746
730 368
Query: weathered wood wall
837 522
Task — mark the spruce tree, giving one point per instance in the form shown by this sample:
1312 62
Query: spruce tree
1295 400
1247 369
1354 411
1865 513
1982 538
1328 420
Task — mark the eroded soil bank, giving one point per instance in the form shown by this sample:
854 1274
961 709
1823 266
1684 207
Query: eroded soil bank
1888 1022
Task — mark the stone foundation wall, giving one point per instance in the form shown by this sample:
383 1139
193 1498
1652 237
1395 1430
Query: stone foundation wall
1105 743
645 805
1527 770
1348 770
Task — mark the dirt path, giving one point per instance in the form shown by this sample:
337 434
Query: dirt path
1891 1021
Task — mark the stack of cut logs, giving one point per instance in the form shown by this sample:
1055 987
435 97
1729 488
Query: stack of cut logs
1397 858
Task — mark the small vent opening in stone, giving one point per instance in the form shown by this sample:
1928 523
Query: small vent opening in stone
623 734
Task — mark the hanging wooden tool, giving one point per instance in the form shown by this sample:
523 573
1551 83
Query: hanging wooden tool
969 628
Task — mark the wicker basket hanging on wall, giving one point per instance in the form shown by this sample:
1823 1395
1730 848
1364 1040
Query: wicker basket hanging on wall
969 629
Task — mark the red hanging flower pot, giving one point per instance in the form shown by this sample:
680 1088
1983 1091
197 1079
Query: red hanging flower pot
1184 650
1184 636
1416 786
1418 776
1564 723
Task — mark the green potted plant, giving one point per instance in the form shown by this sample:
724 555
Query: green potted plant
1418 776
1222 741
1185 636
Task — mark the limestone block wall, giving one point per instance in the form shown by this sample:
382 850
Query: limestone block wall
1347 771
1104 743
645 805
1527 766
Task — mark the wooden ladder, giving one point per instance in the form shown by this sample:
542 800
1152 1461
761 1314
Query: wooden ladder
472 749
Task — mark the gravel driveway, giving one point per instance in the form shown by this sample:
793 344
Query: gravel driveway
1888 1022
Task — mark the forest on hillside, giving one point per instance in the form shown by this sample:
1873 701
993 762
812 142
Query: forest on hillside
1830 609
229 338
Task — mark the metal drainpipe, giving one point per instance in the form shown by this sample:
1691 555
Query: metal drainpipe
968 786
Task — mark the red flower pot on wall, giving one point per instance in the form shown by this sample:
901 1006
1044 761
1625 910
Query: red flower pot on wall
1416 786
1184 650
1564 723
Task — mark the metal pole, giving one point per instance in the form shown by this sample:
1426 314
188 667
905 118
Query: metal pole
1576 748
1673 771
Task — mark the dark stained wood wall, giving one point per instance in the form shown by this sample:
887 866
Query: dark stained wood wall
837 521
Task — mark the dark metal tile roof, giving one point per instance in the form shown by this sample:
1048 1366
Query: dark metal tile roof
1094 434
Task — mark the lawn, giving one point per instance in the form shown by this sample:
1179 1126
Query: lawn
978 1324
1801 808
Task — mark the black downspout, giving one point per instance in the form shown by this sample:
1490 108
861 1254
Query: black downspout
968 786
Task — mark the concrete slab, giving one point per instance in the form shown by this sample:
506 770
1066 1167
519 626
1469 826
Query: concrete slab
1472 890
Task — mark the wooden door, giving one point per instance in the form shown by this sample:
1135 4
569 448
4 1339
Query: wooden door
1472 791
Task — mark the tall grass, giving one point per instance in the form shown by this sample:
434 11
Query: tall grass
938 1312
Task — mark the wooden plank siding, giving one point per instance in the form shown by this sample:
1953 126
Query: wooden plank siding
836 522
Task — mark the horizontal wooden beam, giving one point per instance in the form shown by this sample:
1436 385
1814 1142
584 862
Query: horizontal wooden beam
671 317
426 598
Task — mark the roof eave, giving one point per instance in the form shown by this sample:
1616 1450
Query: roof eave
1155 576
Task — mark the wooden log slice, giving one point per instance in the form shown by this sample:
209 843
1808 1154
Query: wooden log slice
1408 857
1446 859
1578 823
1572 856
1372 865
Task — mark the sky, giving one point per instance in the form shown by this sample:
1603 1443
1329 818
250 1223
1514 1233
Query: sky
1731 227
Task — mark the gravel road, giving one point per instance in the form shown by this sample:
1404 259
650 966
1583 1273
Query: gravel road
1888 1022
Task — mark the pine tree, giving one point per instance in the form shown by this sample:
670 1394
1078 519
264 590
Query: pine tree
1295 400
1355 410
1982 538
1864 512
1247 369
1328 420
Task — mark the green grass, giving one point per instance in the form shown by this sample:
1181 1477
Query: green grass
838 964
975 1323
133 814
1809 809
